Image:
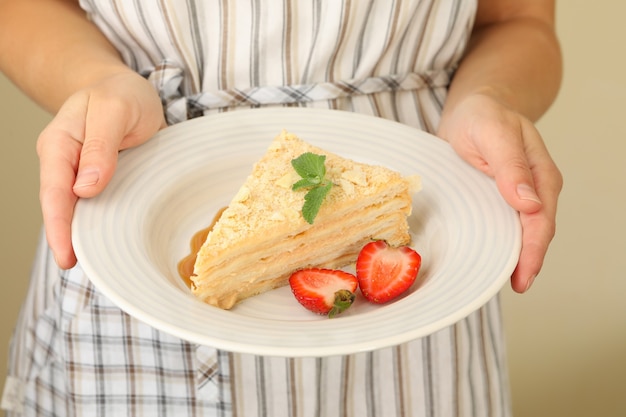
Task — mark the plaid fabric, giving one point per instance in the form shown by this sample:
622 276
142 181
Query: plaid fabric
167 79
74 353
83 356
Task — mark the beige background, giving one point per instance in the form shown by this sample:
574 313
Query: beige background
567 337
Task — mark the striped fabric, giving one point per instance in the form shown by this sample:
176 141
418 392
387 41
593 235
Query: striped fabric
74 353
207 52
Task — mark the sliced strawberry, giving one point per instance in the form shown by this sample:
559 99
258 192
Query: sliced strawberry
324 291
384 272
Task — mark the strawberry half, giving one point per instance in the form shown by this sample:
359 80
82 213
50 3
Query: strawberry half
384 272
324 291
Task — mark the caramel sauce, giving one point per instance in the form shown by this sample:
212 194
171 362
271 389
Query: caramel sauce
185 265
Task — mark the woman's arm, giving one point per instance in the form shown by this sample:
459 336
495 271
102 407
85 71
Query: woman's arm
513 56
59 58
509 76
50 50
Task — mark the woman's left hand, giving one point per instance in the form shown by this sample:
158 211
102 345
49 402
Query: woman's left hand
507 146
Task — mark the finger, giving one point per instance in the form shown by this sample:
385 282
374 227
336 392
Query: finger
511 169
539 227
58 156
538 233
105 128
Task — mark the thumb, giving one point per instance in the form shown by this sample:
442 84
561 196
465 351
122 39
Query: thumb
514 177
515 183
105 129
97 164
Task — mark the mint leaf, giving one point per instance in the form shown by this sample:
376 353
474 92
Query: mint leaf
311 168
304 183
313 201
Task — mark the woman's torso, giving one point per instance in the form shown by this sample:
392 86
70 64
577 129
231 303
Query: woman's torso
215 53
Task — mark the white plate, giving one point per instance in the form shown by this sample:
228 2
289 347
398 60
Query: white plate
130 238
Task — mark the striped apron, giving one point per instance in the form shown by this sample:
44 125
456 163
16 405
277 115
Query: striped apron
74 353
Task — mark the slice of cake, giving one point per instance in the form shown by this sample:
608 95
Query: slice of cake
262 237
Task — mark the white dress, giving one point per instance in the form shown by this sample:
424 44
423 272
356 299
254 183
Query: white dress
74 353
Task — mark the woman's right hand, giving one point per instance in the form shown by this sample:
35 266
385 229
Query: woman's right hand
78 149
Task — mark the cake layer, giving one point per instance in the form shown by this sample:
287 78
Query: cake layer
244 272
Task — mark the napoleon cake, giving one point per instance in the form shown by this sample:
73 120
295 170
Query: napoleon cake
262 237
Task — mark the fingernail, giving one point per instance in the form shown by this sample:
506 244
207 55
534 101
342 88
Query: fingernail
529 283
86 178
526 192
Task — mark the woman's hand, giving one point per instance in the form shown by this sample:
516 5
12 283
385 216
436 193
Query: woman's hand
509 76
507 146
78 149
